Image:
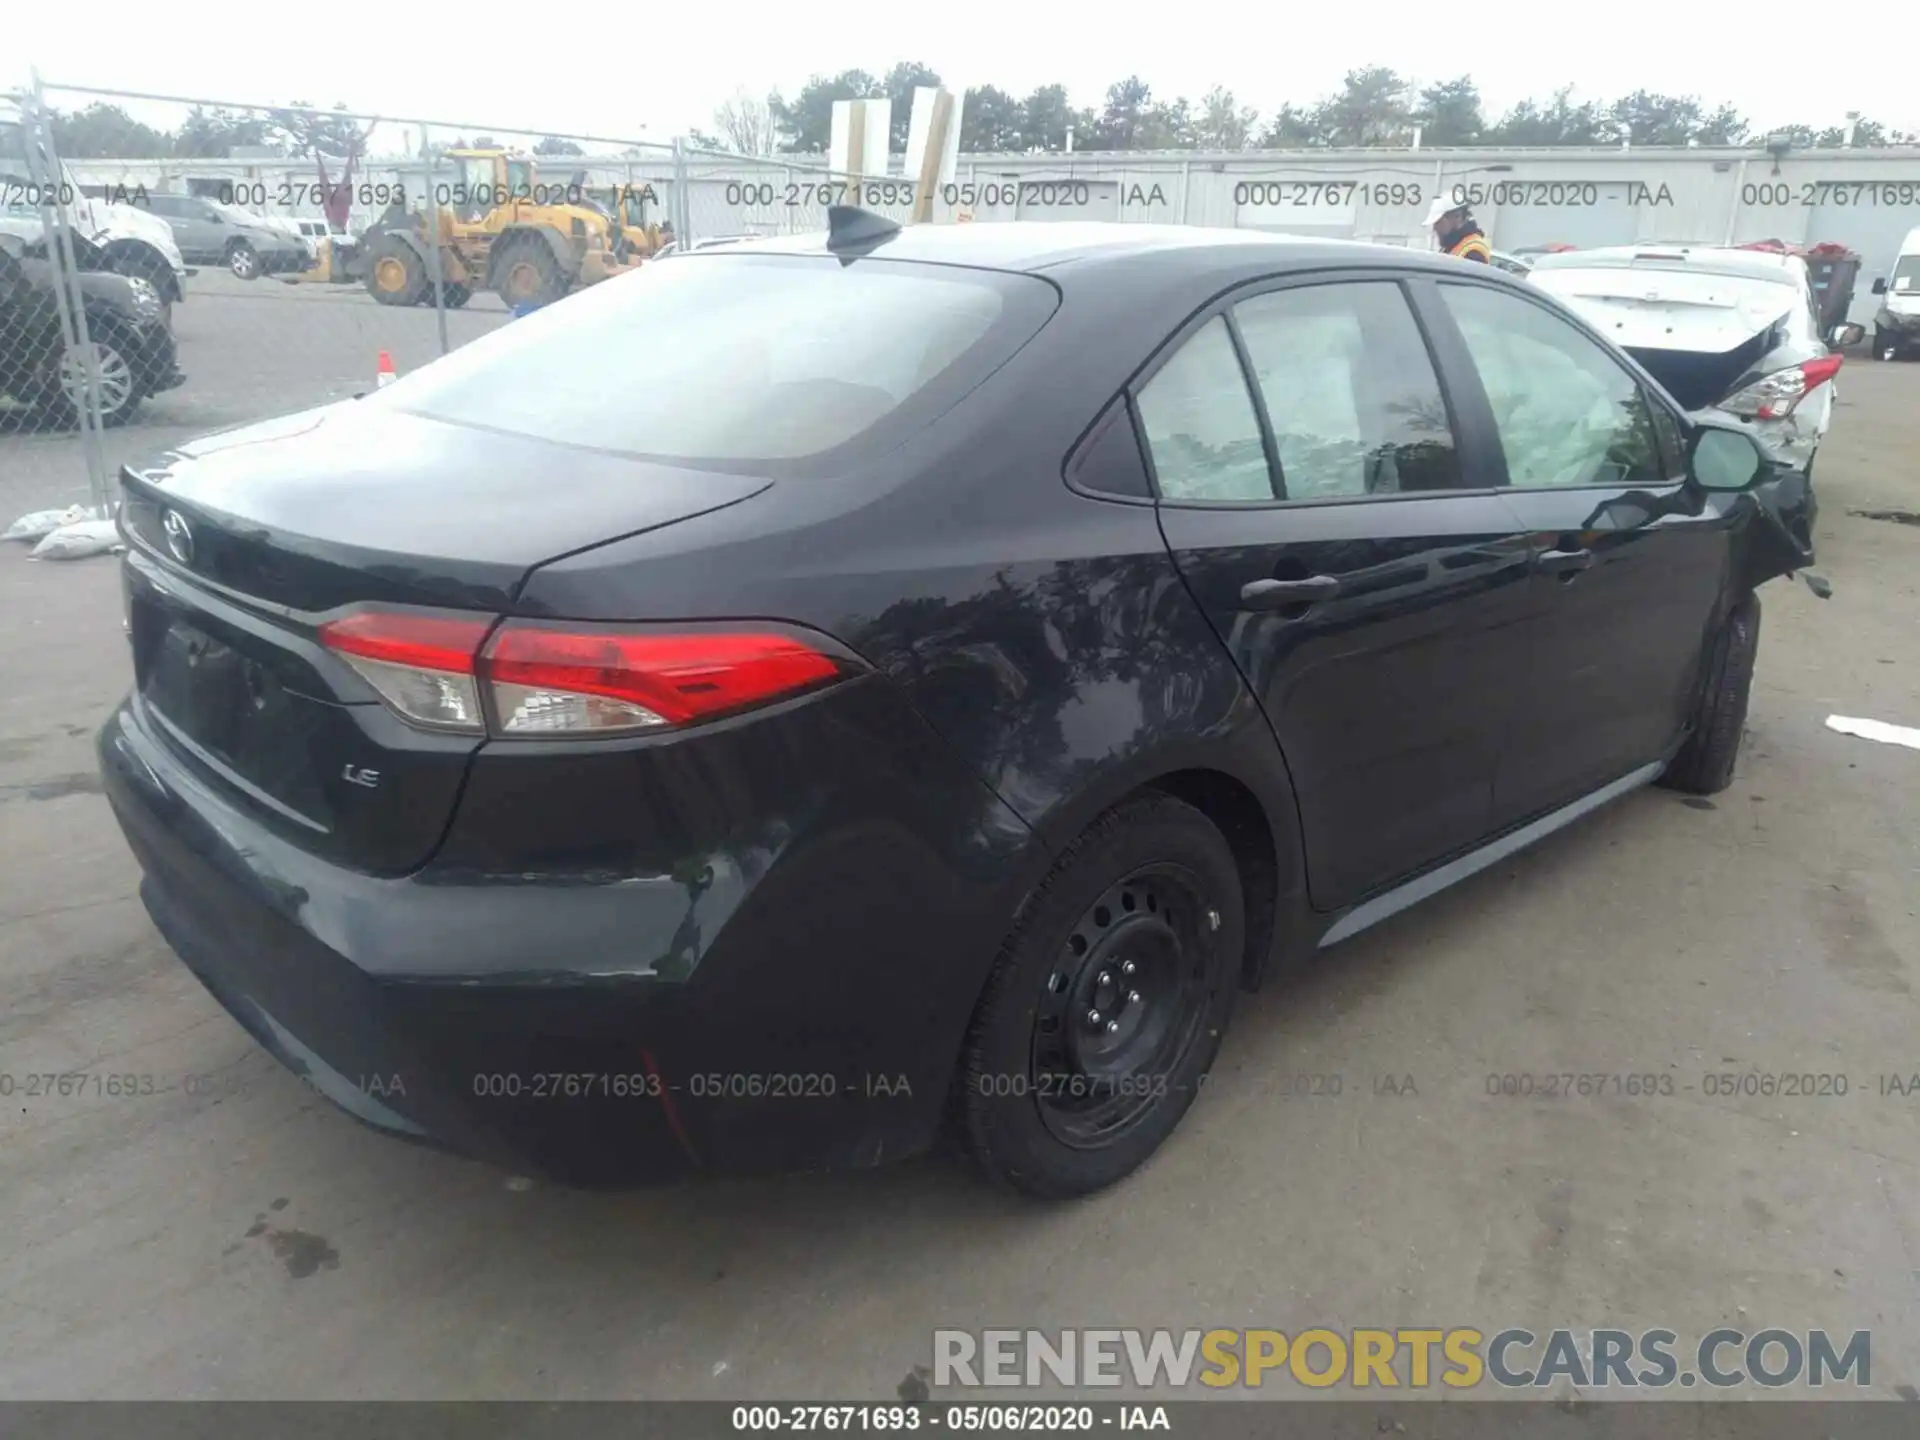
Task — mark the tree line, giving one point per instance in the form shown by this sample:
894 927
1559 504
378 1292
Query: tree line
1374 105
104 131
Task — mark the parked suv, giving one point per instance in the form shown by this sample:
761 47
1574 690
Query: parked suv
126 324
214 234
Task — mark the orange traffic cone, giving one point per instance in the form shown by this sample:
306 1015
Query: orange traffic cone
383 372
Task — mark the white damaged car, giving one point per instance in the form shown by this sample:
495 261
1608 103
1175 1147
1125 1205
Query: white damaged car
1728 333
1726 330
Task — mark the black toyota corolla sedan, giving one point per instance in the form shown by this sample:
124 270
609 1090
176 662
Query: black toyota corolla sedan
795 701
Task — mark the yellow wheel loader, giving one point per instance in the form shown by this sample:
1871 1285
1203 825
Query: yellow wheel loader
498 227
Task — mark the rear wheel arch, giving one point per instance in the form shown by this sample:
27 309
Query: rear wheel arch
1261 829
544 236
1236 812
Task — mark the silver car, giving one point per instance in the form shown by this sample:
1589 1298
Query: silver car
210 233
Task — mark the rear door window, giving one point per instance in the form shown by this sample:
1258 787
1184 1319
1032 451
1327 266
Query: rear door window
728 360
1350 391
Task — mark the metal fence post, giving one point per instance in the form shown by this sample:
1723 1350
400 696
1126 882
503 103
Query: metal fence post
682 201
1733 210
430 214
46 171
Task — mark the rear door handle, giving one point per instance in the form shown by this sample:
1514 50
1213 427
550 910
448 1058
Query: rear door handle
1567 563
1276 594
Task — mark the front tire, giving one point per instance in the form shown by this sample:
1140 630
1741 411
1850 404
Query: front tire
1107 1004
63 389
144 264
1885 347
243 260
1704 765
396 275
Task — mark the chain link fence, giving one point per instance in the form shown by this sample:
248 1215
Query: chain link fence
189 265
277 259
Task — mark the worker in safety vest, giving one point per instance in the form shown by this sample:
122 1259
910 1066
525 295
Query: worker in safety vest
1458 233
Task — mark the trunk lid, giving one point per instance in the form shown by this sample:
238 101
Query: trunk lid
245 542
1699 334
352 503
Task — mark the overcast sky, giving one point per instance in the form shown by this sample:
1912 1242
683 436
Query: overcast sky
665 66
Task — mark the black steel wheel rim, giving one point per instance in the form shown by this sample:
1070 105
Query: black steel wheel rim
1123 1005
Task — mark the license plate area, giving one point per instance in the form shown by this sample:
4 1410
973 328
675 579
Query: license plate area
235 709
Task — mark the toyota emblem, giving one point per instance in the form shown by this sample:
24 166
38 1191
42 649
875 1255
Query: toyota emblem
179 536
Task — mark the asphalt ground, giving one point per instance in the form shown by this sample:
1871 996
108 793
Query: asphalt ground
230 1234
249 349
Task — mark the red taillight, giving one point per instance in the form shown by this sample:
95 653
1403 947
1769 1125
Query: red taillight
422 665
655 679
1821 370
568 679
1775 396
393 637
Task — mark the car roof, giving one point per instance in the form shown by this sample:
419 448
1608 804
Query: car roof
1705 259
1054 245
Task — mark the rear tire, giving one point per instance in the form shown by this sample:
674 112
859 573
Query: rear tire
1704 765
1142 923
243 260
525 273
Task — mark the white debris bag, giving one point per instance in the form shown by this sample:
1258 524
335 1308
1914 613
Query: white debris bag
42 523
79 540
1875 730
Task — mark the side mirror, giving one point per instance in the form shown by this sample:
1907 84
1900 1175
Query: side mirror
1845 334
1725 460
1880 286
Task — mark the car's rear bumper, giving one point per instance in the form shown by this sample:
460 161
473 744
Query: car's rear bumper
494 1020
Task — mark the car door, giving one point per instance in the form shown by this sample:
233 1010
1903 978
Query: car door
1626 583
1324 513
212 230
189 233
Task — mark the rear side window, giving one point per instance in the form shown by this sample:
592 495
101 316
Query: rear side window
1201 427
778 363
1350 391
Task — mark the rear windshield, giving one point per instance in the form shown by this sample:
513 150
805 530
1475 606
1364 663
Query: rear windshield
722 360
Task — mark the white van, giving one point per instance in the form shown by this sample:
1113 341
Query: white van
1896 325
